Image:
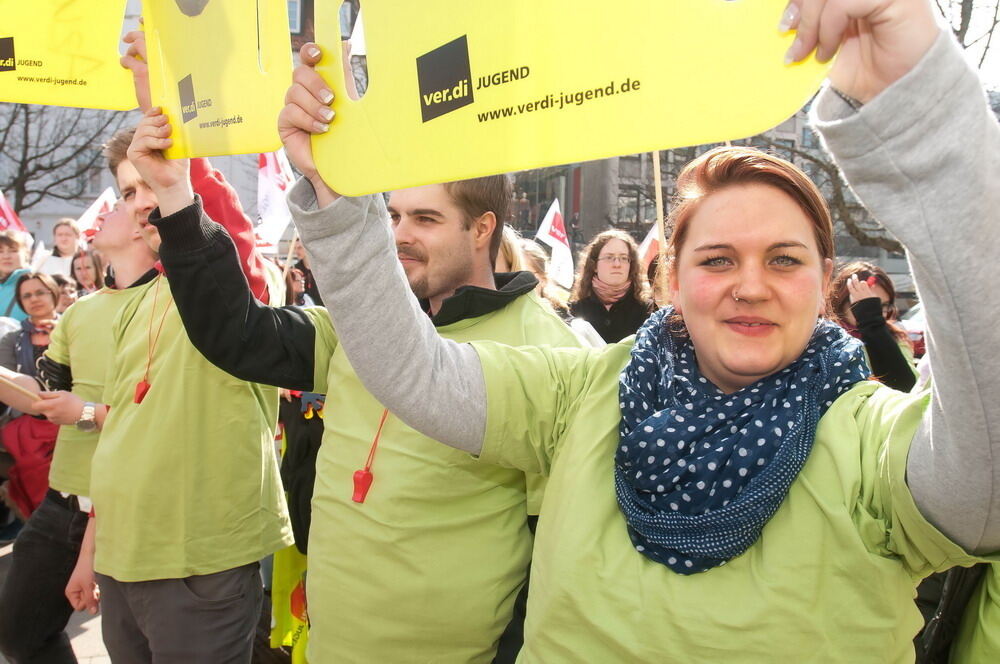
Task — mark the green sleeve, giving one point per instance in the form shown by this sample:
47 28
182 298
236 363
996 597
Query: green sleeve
888 421
533 394
907 351
326 344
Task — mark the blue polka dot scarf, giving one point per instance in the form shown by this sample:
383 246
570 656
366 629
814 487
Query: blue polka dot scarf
698 472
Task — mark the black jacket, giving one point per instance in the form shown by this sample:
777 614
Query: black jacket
623 318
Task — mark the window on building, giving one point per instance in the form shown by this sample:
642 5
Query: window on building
346 20
809 138
628 167
787 127
783 148
94 180
89 175
295 16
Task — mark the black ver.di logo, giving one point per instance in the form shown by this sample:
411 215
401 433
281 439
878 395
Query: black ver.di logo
445 79
7 54
189 109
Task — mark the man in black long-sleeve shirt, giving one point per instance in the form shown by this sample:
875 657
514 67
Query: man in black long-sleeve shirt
446 250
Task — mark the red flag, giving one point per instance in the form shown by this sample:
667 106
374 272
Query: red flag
9 218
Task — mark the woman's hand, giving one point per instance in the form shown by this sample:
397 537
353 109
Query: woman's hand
878 41
858 290
307 112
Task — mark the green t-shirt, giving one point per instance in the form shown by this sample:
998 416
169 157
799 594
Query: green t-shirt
427 568
831 578
186 482
82 341
978 639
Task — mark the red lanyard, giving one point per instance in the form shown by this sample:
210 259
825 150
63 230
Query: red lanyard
143 385
363 478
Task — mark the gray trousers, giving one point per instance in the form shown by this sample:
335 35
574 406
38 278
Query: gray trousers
207 619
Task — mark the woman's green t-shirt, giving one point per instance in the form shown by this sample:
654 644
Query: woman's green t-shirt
831 578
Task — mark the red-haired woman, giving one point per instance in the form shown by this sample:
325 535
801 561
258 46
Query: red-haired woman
611 292
863 300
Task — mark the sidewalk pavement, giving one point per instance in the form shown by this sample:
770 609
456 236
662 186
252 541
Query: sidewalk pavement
84 629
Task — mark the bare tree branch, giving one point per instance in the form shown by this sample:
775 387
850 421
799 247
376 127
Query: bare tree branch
941 8
51 153
989 32
965 16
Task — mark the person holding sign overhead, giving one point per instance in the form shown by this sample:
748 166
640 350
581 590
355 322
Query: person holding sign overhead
186 498
416 552
728 486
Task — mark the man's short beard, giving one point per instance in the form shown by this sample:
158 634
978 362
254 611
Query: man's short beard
457 274
419 287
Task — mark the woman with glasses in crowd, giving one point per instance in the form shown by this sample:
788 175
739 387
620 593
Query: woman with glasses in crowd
29 439
38 295
611 292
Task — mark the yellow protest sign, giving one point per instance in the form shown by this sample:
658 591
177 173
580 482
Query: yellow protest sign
219 69
63 53
460 89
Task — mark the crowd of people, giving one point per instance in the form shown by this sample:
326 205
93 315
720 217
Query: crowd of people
35 289
742 464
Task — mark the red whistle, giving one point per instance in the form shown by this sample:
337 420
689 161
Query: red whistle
140 391
871 281
362 482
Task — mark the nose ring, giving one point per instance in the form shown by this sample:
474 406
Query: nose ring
736 297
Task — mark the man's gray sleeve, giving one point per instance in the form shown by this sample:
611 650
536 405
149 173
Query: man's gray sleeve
432 384
924 156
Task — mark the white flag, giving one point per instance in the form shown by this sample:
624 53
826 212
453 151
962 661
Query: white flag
357 39
553 233
88 220
274 178
38 256
650 247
